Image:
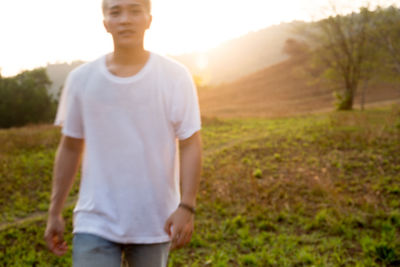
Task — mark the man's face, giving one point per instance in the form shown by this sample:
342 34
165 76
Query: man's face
127 21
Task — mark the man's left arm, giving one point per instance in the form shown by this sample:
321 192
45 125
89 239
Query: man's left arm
182 220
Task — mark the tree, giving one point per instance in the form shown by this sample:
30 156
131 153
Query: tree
295 48
24 99
341 47
387 36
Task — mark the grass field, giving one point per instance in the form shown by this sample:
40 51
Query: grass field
320 190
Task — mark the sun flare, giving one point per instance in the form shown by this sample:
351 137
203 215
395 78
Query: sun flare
66 30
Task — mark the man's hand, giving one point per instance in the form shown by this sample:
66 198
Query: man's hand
66 165
182 223
182 220
54 235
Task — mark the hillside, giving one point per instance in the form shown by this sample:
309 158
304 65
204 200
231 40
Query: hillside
230 60
279 90
241 56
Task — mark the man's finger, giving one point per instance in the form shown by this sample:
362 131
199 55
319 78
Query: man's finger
60 235
55 242
60 243
60 248
49 237
60 252
182 238
182 241
176 234
187 237
167 227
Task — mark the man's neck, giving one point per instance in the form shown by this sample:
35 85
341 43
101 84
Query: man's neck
125 62
129 56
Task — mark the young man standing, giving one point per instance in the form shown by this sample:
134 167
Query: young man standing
136 114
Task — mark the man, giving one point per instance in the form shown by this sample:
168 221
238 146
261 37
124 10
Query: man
132 111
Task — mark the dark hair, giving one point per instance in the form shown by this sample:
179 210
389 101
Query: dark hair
147 4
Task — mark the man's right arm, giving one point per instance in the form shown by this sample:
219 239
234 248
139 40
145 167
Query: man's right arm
65 168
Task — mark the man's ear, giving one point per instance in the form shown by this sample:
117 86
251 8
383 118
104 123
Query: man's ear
105 25
149 22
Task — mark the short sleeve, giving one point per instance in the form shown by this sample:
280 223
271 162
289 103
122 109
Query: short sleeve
69 112
186 118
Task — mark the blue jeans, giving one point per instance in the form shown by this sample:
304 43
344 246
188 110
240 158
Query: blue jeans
94 251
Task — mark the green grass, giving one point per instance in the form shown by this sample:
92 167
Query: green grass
26 160
321 190
24 245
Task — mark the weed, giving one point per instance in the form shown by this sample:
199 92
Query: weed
328 194
257 173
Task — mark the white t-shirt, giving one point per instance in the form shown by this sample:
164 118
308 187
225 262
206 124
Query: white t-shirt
131 126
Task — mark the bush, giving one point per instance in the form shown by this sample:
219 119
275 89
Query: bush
24 99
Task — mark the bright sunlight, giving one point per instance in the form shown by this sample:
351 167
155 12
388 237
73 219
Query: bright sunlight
35 33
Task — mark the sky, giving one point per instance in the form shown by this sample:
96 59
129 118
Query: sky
37 32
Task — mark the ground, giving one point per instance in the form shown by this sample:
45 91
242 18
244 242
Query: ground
315 190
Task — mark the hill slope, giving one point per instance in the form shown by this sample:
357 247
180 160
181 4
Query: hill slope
241 56
279 90
232 59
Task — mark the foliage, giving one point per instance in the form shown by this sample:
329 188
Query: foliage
387 36
24 99
25 245
295 48
351 50
342 48
319 190
26 160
